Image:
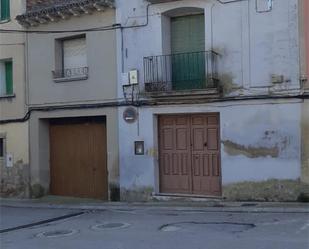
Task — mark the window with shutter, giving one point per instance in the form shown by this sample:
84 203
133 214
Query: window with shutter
9 77
4 10
1 147
74 53
187 45
70 59
6 78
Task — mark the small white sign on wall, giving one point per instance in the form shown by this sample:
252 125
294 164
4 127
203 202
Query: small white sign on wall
9 160
264 5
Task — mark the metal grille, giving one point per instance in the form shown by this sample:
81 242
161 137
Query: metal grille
183 71
69 73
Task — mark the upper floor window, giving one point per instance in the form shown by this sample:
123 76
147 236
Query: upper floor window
6 78
4 10
72 59
1 147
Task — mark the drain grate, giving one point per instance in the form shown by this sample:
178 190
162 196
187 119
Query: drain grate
110 226
57 233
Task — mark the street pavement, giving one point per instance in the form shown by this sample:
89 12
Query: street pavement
143 227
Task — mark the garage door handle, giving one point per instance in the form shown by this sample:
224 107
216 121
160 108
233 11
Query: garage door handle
205 144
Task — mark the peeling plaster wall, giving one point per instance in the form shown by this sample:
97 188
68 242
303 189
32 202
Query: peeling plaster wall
14 181
264 144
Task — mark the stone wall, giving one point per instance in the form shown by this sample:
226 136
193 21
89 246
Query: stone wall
14 181
270 190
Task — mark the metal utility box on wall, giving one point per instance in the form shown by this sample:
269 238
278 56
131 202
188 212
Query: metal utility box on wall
139 148
133 77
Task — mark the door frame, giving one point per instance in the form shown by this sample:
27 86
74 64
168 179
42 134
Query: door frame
157 171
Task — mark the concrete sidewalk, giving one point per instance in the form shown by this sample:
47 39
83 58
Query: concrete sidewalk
206 206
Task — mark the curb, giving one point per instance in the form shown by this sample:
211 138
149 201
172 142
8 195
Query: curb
183 207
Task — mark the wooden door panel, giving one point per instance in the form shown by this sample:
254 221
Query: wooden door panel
174 159
212 139
190 154
78 159
99 158
205 153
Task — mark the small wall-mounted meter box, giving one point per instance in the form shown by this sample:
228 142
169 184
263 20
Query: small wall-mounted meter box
133 77
9 160
139 148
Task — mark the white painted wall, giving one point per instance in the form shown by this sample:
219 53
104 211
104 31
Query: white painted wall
253 46
245 123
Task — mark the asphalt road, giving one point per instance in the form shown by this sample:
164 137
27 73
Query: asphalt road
144 228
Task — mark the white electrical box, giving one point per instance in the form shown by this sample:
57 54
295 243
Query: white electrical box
264 5
133 77
9 160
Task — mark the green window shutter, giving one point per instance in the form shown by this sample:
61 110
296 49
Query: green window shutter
188 34
188 57
9 77
5 10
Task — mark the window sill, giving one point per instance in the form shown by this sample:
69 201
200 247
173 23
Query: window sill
68 79
5 21
8 96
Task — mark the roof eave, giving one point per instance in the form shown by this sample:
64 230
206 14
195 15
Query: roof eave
63 12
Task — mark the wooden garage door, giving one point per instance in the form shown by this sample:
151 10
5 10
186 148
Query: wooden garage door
78 158
190 154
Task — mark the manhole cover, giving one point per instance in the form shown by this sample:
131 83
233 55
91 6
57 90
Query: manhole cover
110 226
57 233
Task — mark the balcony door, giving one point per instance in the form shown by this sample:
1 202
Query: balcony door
188 56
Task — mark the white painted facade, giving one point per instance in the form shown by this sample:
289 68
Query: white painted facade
256 49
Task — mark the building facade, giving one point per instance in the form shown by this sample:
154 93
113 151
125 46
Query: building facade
72 75
140 99
14 156
220 99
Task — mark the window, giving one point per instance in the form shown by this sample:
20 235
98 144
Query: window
1 147
74 53
6 78
71 58
4 10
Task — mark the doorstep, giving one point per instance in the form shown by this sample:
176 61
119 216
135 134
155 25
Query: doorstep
216 200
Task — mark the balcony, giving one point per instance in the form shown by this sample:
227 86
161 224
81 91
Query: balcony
192 73
70 74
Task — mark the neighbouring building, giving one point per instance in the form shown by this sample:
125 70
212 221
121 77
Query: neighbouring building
14 156
219 100
72 88
304 41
